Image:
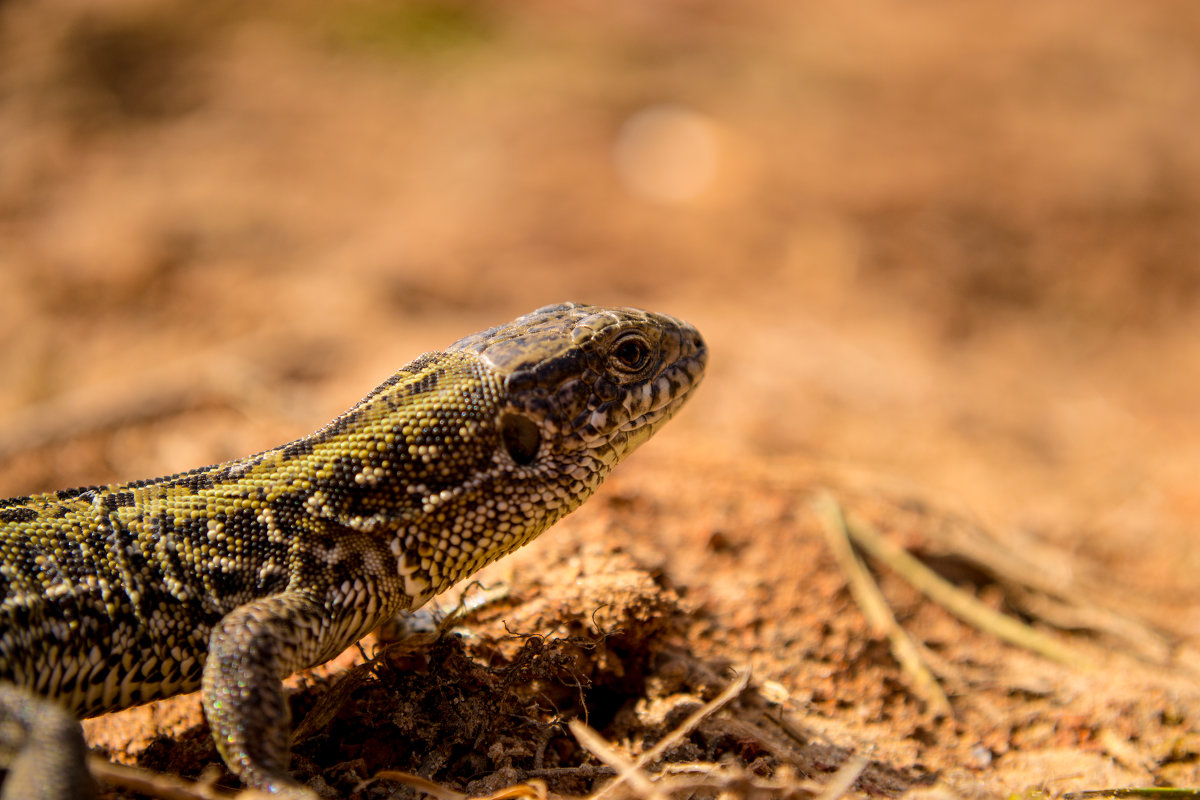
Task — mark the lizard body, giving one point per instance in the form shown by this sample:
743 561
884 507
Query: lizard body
230 577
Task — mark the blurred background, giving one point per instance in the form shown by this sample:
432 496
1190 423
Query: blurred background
953 243
947 246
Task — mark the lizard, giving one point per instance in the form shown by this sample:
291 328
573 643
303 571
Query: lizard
230 577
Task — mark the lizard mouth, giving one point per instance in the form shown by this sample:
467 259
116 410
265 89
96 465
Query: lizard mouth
646 408
660 399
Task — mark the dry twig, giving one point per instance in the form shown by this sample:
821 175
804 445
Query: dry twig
164 787
843 780
634 771
875 608
962 605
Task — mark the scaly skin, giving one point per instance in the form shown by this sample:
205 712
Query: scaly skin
230 577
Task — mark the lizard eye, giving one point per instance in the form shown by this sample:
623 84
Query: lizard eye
521 438
631 353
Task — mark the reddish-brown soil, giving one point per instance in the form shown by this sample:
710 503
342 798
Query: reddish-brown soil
946 257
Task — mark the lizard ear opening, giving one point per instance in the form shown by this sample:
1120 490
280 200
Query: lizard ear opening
521 438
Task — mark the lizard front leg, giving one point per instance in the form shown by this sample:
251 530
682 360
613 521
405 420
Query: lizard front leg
251 650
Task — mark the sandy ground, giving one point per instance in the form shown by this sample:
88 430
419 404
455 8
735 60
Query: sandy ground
945 257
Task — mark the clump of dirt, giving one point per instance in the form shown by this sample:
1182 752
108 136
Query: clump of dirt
488 709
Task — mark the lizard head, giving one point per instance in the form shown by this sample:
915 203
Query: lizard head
512 428
586 385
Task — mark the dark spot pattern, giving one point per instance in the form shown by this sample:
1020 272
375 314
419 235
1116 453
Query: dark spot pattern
18 514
